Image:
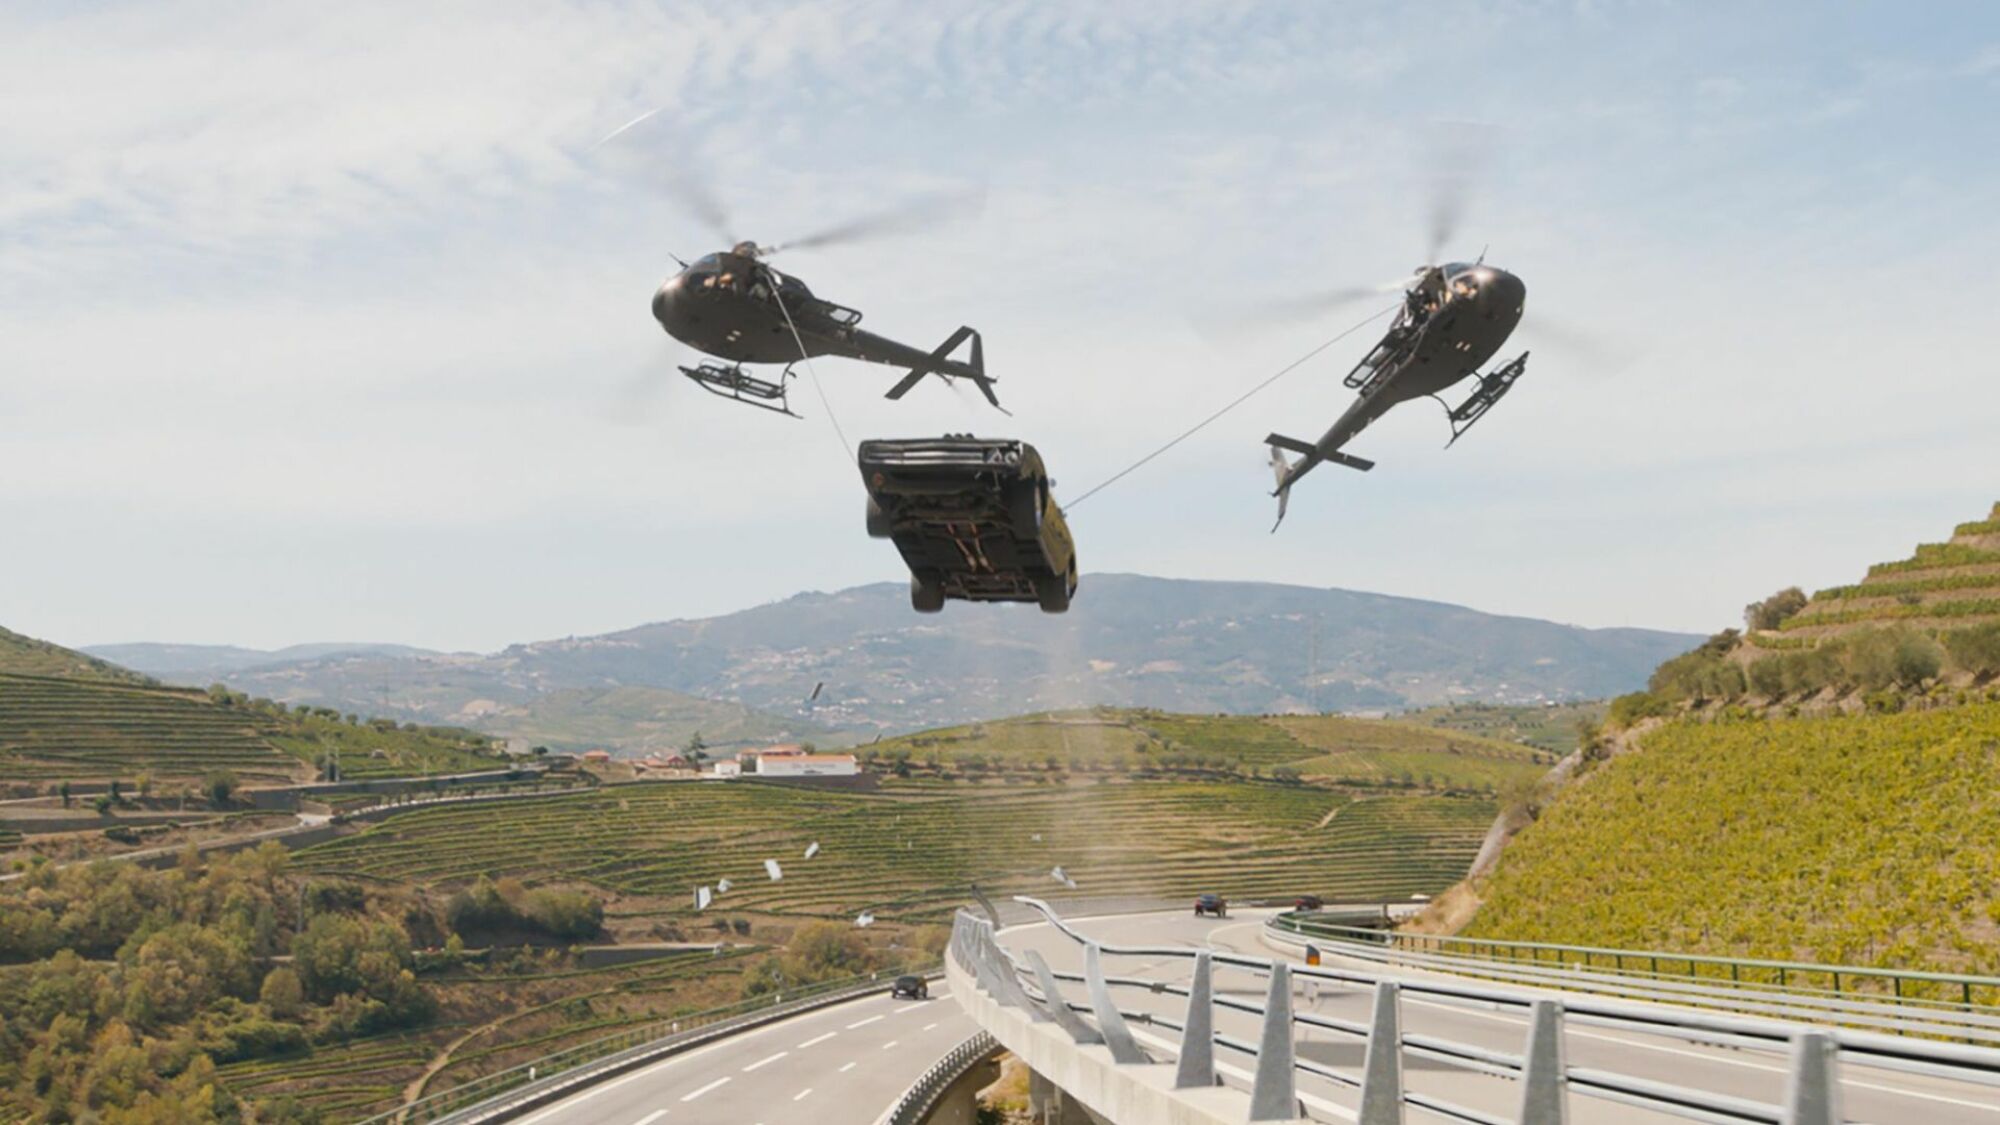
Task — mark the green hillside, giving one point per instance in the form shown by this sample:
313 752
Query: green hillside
26 656
1332 749
914 848
639 720
1863 839
1551 727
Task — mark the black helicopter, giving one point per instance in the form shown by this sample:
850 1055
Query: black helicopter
734 306
1454 318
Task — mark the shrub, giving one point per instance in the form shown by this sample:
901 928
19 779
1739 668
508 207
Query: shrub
1630 708
1702 674
563 914
1767 677
1894 657
1975 650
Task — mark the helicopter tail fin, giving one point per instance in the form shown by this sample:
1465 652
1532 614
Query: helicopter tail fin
1283 469
941 364
1289 472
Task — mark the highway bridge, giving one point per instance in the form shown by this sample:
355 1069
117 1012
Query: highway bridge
1099 1006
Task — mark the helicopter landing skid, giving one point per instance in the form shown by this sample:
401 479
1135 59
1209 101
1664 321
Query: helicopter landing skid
1492 387
738 385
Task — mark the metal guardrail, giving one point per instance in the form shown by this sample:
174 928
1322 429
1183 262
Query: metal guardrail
922 1097
1963 991
496 1096
1546 1081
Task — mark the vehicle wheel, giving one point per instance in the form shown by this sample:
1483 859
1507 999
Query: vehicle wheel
878 520
926 597
1053 594
1025 503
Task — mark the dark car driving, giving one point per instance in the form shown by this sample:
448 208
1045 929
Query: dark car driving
909 987
1210 904
973 518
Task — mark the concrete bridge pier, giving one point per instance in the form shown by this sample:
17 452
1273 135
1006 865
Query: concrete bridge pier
959 1103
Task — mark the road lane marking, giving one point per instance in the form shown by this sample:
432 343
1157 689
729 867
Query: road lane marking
651 1117
766 1061
817 1039
928 1026
671 1062
862 1023
800 1096
845 1069
906 1008
889 1044
705 1089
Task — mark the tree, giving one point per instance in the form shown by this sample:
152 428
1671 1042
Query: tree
282 993
1774 610
220 785
64 790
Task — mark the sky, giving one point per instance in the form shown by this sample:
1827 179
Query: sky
330 322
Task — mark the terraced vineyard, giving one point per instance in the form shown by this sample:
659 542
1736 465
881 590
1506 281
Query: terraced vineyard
55 729
911 851
27 656
1332 748
1860 839
1941 586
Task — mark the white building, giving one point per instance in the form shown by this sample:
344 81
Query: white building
728 767
807 765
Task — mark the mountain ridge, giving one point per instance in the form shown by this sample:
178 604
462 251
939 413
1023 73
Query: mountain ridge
859 661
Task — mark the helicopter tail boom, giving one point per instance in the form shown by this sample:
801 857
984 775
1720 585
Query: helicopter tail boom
941 364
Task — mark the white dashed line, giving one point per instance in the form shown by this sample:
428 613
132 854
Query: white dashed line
906 1008
845 1069
817 1039
889 1044
765 1061
928 1026
651 1117
862 1023
704 1089
800 1096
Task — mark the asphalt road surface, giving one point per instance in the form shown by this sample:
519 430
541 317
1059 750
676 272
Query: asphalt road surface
1868 1094
842 1065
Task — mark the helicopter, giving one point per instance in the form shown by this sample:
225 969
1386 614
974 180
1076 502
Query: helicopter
734 306
1453 318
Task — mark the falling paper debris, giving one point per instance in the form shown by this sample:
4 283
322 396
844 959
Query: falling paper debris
815 694
812 849
1037 837
867 918
721 886
1060 876
771 868
702 898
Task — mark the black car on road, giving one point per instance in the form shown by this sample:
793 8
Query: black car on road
973 518
911 988
1210 904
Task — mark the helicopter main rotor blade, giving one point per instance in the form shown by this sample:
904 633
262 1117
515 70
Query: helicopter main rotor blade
641 163
1458 153
911 215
